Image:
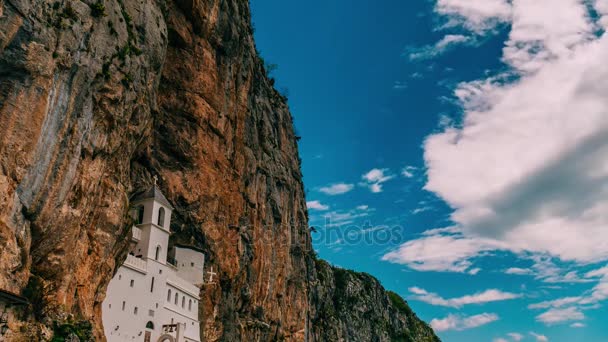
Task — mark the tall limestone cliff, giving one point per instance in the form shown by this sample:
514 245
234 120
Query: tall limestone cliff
99 96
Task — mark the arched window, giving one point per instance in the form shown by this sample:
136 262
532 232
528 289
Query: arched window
161 216
135 311
140 214
169 296
152 285
150 325
184 302
176 295
157 254
190 305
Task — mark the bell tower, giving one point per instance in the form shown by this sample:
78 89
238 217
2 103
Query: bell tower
152 212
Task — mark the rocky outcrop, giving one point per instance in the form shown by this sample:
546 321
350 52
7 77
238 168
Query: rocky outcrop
352 306
99 96
78 84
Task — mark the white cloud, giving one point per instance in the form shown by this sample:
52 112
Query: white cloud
516 336
539 337
518 271
440 250
577 325
571 308
377 176
476 15
408 171
600 272
556 303
375 187
545 269
491 295
499 339
417 290
553 316
522 172
399 85
456 322
339 218
474 271
439 231
374 178
336 189
538 37
601 6
421 210
316 205
526 169
439 48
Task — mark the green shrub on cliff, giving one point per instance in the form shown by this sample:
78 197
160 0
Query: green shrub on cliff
62 332
98 9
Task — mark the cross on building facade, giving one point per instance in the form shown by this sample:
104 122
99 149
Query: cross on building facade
211 274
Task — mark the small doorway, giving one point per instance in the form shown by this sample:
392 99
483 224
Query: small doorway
148 334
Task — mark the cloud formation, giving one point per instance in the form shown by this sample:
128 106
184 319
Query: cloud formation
539 337
571 308
522 169
491 295
316 205
457 322
553 316
475 15
336 189
442 46
441 250
516 336
408 171
374 178
339 218
526 168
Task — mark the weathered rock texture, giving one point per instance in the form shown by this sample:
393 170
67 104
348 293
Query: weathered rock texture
352 306
96 97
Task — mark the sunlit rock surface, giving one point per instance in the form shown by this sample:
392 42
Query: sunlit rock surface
98 97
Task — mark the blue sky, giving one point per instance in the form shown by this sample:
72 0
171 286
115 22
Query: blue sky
457 151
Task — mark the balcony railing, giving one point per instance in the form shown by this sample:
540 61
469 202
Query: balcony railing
137 264
136 235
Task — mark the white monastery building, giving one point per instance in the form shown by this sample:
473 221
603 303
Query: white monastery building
151 299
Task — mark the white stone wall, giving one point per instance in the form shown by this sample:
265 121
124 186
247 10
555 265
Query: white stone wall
154 305
172 299
190 264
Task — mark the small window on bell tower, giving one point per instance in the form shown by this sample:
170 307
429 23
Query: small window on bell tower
140 214
161 216
157 254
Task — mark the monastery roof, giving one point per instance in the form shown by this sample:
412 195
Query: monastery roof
194 248
155 193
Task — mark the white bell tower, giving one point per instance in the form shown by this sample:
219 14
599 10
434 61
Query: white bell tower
152 212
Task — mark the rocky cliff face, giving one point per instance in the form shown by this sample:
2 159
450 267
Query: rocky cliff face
352 306
96 97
